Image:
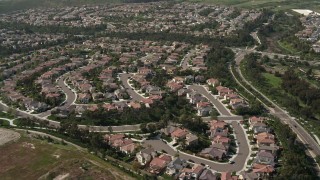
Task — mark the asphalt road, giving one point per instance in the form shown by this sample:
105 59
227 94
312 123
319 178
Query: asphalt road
303 135
240 159
24 114
135 96
70 96
220 107
185 61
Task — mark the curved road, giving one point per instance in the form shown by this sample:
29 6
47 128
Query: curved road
303 135
70 95
124 79
240 159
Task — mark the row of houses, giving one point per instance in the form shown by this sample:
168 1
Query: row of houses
175 167
235 101
180 134
17 97
220 141
202 105
121 143
265 160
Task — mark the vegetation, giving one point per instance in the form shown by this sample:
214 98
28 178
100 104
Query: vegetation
270 4
279 36
289 90
295 162
206 12
28 87
171 107
14 5
208 25
272 79
39 156
4 123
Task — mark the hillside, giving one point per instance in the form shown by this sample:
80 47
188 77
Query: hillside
274 4
13 5
32 157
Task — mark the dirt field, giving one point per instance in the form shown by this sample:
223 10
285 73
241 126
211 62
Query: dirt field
31 158
7 135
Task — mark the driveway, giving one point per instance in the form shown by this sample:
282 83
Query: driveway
240 159
134 95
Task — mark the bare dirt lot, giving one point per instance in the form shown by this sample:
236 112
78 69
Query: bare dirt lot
36 158
7 135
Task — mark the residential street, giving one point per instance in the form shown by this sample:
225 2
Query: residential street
240 159
70 95
124 79
184 62
218 105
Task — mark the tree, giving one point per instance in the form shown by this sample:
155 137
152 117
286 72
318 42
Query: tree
110 129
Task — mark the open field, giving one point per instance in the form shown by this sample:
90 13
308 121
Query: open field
31 158
272 79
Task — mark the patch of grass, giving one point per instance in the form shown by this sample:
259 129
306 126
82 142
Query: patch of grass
287 47
6 115
272 79
4 123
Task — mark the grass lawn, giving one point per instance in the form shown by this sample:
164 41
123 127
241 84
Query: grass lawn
287 47
6 115
272 79
31 158
4 123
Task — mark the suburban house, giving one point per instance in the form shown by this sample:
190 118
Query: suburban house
175 166
218 128
207 174
255 119
212 82
259 128
120 142
216 151
265 139
227 176
191 139
158 164
222 91
183 91
248 176
264 157
179 134
145 156
193 173
204 111
168 130
263 171
273 149
84 98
